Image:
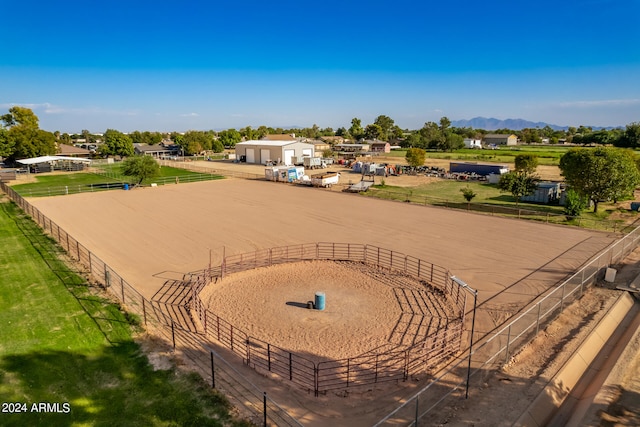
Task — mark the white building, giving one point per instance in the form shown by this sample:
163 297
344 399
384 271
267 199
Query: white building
472 143
278 152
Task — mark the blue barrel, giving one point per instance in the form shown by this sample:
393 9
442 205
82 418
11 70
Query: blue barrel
126 186
635 206
319 301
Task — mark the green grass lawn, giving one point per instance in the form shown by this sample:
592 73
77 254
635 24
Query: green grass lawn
109 178
547 155
447 193
62 344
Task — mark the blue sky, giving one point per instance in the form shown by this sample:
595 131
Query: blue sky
169 65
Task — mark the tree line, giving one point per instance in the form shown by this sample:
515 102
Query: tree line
21 137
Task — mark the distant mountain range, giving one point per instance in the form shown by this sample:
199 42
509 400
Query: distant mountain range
493 124
513 124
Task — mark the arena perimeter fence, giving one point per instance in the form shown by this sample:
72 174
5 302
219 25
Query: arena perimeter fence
496 348
505 211
208 362
386 363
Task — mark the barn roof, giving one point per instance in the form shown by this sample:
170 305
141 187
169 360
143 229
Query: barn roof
47 159
270 143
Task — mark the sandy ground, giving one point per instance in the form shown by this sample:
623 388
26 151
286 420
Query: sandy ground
151 234
369 306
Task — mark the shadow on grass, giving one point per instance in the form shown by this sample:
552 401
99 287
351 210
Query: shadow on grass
107 316
112 385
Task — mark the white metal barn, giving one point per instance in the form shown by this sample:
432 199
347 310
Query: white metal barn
278 152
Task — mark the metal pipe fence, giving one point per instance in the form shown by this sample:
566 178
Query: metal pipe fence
496 348
191 345
386 363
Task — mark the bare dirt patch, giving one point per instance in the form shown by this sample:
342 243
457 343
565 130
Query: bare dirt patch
363 307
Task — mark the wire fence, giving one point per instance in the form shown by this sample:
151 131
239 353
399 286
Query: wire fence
190 345
506 211
496 348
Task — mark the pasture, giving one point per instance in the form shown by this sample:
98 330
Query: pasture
64 345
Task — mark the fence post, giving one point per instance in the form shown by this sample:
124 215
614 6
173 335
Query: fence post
122 288
348 370
144 311
107 278
417 410
376 377
506 356
538 319
268 357
264 410
173 336
213 372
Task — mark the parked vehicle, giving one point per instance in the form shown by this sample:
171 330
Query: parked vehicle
313 163
326 179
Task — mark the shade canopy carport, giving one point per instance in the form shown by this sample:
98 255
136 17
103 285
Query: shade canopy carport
51 163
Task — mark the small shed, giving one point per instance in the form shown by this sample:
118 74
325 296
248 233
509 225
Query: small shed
265 151
472 143
547 193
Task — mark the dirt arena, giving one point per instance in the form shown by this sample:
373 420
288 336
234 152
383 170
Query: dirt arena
150 235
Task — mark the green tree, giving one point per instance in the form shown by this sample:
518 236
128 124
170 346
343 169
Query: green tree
341 131
6 146
386 124
23 138
229 137
600 174
116 143
356 130
445 123
194 142
146 137
430 136
468 195
630 138
20 116
451 141
526 162
396 132
519 184
529 135
140 167
415 157
574 204
373 131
